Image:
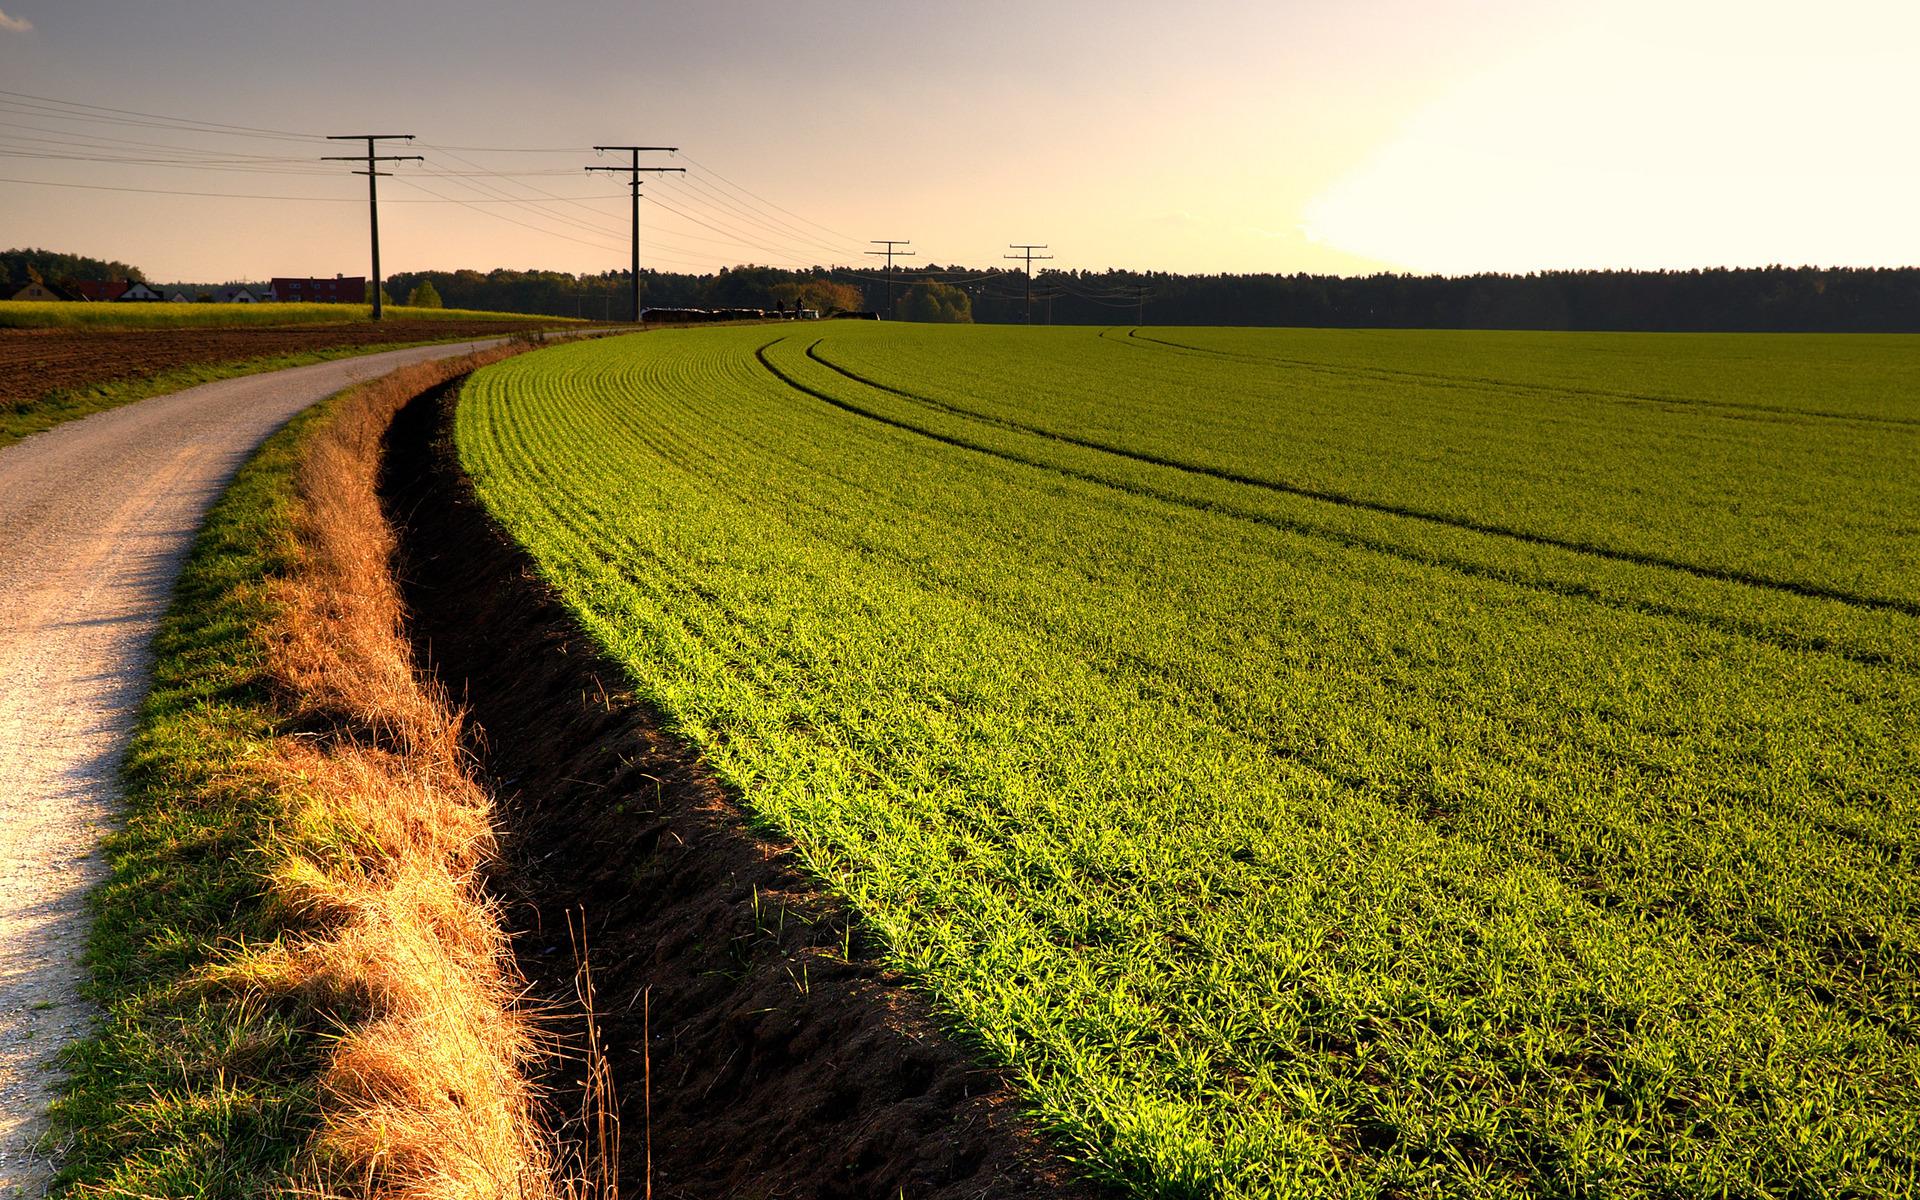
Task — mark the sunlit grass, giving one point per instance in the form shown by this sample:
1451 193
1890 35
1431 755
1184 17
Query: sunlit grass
1313 764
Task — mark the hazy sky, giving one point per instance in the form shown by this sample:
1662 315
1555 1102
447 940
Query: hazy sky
1215 135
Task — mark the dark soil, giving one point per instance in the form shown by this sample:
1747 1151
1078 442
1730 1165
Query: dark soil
779 1067
35 363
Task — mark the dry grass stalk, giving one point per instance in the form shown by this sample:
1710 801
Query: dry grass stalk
426 1095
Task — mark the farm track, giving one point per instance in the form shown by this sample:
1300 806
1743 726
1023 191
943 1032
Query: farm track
37 362
1720 623
1489 384
1793 587
779 1065
100 514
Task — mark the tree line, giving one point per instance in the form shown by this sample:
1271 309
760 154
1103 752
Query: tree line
1777 298
24 266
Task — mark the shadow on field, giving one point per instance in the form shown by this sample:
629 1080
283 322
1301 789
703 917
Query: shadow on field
778 1067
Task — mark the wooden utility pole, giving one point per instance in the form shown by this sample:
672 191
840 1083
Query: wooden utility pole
890 252
373 174
634 170
1029 257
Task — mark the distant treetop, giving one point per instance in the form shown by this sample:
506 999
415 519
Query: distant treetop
55 267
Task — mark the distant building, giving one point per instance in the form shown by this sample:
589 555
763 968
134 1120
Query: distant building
235 295
341 289
36 291
138 293
98 291
179 298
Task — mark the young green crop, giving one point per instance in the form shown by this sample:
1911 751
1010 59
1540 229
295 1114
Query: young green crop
1314 763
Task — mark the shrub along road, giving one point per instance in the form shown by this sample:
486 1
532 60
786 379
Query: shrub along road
99 515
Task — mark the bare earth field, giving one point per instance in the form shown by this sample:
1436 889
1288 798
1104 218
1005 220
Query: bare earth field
37 362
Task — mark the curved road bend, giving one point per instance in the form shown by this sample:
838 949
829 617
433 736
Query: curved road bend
95 519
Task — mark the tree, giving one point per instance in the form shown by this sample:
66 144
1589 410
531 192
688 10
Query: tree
821 295
386 297
18 266
937 303
424 295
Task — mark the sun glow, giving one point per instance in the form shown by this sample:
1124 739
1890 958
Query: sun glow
1656 136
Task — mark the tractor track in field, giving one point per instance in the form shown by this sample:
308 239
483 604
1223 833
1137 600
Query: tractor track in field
1809 591
99 515
1649 608
1733 409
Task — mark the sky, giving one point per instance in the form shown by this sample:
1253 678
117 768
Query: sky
1445 136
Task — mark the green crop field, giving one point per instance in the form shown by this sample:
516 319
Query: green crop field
37 314
1312 762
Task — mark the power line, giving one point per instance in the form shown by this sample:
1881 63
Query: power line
64 110
155 116
542 209
892 249
845 238
373 173
634 171
146 191
475 205
778 229
1029 257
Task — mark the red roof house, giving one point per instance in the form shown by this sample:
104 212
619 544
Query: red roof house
341 289
98 289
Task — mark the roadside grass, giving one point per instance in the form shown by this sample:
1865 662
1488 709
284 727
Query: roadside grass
304 988
188 1089
44 314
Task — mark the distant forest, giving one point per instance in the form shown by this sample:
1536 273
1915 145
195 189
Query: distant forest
23 266
1779 299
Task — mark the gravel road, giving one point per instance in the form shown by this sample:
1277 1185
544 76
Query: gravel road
95 519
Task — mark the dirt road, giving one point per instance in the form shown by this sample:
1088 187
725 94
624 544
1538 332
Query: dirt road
95 519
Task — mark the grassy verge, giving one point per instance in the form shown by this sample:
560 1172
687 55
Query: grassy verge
186 1089
38 314
303 987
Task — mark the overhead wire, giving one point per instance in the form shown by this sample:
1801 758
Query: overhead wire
719 205
744 191
782 230
544 208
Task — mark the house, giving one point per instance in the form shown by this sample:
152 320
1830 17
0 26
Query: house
37 291
341 289
235 294
138 293
178 297
98 290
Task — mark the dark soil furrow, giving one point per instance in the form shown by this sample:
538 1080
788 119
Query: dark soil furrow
784 1060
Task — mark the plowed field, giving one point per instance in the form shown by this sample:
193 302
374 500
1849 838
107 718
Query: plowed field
38 362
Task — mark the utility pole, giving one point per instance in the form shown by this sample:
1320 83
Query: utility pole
890 252
1027 254
373 174
634 171
1143 305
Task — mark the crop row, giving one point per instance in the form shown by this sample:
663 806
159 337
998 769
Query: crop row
1284 838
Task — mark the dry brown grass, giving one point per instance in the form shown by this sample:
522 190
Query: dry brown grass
378 864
